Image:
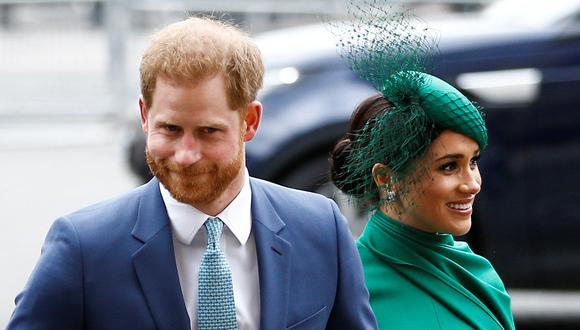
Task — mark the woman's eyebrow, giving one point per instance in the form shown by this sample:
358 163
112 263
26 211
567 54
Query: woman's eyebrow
450 156
456 156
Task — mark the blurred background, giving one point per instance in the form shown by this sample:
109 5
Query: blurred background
70 135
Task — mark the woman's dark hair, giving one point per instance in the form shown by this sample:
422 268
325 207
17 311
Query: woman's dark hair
364 113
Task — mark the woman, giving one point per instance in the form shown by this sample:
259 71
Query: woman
410 155
417 275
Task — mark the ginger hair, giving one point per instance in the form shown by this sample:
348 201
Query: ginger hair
197 49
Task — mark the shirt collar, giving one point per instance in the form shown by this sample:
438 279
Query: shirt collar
186 220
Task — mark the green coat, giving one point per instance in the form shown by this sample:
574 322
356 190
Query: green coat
425 281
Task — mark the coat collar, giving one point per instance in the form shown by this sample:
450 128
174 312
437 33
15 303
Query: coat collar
156 270
152 216
274 254
154 262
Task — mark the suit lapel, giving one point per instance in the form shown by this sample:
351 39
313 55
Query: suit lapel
273 259
155 264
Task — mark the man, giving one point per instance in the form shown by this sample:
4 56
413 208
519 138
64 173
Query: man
202 245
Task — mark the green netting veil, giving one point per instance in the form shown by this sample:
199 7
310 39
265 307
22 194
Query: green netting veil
393 50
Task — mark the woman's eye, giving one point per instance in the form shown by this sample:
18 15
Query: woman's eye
474 161
448 167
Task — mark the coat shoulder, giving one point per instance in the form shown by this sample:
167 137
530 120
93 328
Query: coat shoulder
288 194
114 215
300 210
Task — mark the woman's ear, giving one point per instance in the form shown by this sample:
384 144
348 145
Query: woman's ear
381 174
385 182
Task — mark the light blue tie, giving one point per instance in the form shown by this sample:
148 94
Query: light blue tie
216 309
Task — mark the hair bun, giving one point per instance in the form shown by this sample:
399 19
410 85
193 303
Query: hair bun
338 159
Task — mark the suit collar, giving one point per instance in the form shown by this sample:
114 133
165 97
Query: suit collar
263 211
152 216
154 262
156 270
273 252
187 220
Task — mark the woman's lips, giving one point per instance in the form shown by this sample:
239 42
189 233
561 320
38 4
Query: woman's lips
463 207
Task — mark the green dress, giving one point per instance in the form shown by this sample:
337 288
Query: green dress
419 280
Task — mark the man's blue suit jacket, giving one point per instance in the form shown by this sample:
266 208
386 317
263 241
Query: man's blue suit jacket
112 266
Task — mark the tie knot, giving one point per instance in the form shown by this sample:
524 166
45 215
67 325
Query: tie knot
213 227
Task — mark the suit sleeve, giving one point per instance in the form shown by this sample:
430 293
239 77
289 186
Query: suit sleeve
351 309
52 298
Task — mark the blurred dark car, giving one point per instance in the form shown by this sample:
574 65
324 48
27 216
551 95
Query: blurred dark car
521 64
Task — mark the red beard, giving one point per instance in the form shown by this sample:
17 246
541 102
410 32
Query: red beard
197 184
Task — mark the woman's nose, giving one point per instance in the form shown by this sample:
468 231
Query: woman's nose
472 183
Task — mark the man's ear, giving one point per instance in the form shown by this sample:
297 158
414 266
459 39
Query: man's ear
381 174
252 120
144 114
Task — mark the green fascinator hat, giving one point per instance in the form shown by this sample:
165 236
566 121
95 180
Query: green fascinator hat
392 50
449 109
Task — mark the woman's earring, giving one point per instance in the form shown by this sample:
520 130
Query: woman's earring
388 193
390 196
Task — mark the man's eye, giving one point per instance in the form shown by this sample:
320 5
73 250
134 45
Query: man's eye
210 130
171 128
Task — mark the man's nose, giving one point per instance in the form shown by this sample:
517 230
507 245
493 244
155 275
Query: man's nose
188 151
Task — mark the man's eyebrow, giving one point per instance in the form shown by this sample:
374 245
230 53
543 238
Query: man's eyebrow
214 123
164 123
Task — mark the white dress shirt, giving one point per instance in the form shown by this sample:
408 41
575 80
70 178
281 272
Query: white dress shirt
237 243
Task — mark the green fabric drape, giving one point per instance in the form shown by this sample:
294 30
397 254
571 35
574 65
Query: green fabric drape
419 280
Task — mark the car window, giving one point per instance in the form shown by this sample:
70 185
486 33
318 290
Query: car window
537 13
